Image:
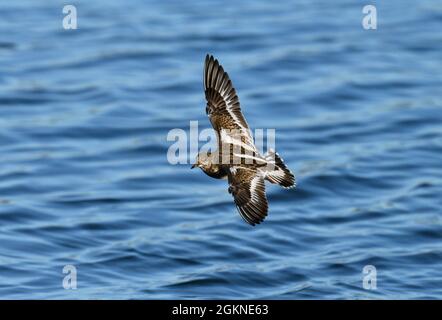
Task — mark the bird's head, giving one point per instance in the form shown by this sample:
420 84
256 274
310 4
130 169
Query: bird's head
202 160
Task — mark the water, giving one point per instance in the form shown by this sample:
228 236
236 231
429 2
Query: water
84 177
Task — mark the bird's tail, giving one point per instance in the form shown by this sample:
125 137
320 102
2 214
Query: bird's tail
277 172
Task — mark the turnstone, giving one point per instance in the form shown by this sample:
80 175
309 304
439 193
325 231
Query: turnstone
237 157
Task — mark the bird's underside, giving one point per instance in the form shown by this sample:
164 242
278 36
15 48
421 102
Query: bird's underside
237 157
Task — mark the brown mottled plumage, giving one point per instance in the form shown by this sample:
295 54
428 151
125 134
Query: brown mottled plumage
237 157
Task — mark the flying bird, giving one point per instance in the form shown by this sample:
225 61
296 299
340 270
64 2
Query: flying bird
237 158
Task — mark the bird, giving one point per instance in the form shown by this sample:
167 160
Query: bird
237 159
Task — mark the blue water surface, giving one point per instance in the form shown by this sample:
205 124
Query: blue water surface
84 176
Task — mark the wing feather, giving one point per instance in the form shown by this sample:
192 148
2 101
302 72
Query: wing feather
223 107
248 190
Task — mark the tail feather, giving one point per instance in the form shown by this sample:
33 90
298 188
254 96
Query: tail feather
278 172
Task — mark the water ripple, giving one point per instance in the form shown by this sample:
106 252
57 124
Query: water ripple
84 116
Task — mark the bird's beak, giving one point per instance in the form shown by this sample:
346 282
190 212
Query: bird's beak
193 166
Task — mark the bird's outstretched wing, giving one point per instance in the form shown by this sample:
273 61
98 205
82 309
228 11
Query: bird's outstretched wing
223 106
248 190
